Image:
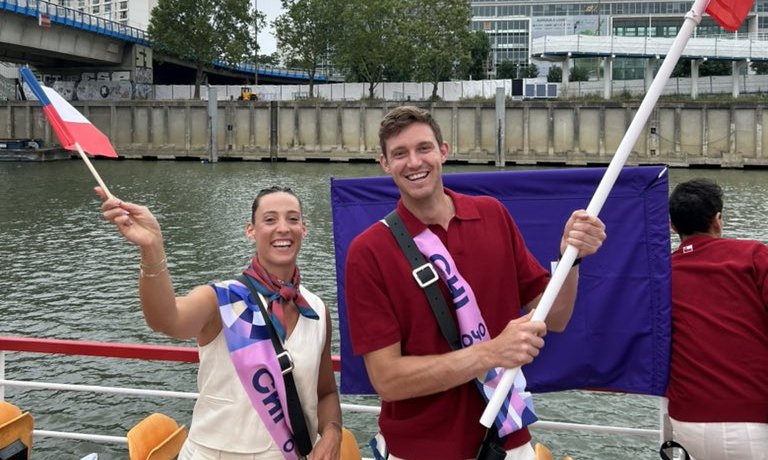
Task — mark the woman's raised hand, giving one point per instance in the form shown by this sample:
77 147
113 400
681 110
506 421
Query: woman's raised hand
136 223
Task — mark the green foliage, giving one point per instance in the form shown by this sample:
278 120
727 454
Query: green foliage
682 69
440 32
706 69
714 68
531 71
371 46
578 74
555 74
304 31
202 31
760 68
480 49
269 59
507 70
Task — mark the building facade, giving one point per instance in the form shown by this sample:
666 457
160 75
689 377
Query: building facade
512 24
134 13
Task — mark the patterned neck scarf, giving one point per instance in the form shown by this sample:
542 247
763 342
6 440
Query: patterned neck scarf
278 294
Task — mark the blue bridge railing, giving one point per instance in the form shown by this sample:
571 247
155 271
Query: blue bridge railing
71 17
58 14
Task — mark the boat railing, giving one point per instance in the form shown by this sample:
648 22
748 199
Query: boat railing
190 355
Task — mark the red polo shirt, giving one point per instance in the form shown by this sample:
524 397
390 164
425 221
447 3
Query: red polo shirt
386 306
719 364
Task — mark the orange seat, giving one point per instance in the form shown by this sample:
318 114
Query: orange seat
349 447
542 453
15 425
157 437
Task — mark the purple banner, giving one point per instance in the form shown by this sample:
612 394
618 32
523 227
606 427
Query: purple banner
619 336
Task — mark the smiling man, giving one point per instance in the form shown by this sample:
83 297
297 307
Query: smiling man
432 393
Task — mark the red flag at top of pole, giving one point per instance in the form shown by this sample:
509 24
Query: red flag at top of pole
70 126
729 13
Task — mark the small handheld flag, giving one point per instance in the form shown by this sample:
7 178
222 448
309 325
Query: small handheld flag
74 131
729 13
70 125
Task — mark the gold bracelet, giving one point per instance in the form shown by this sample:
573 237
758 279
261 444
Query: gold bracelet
162 262
143 274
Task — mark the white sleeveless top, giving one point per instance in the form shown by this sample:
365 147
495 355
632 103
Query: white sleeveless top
224 419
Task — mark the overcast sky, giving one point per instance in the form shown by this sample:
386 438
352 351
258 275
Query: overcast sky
272 9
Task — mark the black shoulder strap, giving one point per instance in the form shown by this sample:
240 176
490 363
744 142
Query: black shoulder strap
426 276
672 445
295 413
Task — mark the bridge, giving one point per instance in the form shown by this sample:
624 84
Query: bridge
63 41
739 50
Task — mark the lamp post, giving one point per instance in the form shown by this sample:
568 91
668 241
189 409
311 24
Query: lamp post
256 43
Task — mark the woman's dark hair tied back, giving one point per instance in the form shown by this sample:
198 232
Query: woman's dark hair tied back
268 191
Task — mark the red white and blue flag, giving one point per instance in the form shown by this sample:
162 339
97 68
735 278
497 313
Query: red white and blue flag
70 126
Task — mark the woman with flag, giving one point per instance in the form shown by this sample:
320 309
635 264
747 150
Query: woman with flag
266 380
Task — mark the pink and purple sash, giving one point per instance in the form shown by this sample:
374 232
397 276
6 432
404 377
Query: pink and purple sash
517 410
255 361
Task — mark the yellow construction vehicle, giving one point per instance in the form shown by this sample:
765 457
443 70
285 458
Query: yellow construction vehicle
247 94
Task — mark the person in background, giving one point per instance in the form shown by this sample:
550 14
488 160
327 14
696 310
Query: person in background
238 414
718 382
430 403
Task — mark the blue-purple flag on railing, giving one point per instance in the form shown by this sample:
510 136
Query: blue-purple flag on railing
619 336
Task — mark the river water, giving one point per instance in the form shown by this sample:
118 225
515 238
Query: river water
67 274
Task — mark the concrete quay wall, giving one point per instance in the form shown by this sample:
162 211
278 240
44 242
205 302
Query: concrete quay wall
543 133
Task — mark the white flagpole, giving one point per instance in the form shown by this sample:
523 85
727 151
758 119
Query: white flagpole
92 169
692 19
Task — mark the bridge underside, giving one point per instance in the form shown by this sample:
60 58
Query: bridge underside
56 48
173 71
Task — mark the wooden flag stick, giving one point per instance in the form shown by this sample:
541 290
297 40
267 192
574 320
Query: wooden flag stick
92 169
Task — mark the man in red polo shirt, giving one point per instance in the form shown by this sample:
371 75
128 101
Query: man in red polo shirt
430 404
718 380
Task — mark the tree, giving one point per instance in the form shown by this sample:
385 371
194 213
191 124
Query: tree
760 68
715 68
531 71
304 32
202 31
441 35
555 74
479 51
578 74
379 26
507 70
259 21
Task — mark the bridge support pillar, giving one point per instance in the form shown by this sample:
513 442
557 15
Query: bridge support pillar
501 122
607 77
650 70
735 74
695 64
564 77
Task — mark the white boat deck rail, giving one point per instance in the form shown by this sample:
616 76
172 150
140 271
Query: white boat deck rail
720 47
189 354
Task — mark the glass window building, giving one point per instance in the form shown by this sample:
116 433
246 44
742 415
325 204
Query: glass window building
511 25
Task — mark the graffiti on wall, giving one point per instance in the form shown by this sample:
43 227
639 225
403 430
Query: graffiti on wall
142 75
99 86
143 91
